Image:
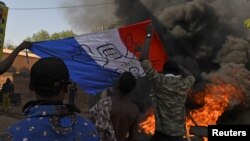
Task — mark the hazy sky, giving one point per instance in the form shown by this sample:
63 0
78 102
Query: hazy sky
23 23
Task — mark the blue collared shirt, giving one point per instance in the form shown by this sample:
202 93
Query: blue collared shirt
51 123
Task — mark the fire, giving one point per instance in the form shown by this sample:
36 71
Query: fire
217 99
148 125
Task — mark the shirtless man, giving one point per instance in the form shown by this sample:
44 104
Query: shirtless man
116 118
124 113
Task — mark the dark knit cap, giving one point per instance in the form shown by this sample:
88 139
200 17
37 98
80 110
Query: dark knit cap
171 67
48 76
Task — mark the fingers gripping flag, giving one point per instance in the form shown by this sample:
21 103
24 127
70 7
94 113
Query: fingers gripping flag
95 60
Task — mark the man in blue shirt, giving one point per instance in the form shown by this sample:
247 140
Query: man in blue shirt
47 118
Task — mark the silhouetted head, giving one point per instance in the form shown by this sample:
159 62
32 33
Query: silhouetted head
8 80
171 67
126 83
49 77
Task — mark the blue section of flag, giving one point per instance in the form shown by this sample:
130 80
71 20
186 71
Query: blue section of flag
92 77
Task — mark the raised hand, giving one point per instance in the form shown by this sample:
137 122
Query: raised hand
24 45
150 30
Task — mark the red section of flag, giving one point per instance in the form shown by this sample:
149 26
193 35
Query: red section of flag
133 36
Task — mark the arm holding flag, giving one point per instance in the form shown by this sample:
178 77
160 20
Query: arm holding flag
155 76
7 62
146 46
145 62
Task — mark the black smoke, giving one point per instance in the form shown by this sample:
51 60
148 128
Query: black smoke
193 32
190 31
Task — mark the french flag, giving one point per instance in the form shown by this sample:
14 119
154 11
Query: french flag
96 60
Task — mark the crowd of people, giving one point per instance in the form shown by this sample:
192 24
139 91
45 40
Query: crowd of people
113 118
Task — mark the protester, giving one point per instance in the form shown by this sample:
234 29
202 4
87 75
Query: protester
72 93
8 91
169 92
47 118
116 118
7 62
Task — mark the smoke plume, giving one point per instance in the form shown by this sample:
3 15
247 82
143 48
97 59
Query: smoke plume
90 14
234 50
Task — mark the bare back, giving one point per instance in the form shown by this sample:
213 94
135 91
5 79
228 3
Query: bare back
124 116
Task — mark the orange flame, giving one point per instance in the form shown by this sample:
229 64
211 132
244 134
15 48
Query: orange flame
148 125
217 99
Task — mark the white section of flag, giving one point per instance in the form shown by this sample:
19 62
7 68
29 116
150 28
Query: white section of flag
107 49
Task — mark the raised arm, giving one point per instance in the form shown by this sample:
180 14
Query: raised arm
7 62
146 47
151 73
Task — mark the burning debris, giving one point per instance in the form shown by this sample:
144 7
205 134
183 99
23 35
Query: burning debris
235 74
218 98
